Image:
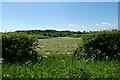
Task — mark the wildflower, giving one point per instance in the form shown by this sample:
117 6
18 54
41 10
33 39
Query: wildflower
1 59
118 54
106 57
28 62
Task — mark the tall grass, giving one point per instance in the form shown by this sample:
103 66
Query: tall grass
62 66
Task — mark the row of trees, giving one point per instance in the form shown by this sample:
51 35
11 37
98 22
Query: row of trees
53 33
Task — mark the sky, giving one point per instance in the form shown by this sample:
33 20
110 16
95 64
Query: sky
73 16
119 15
60 0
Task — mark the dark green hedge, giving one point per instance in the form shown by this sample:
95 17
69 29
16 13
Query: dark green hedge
18 47
100 45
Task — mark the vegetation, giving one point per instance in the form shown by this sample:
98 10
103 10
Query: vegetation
39 36
55 56
101 45
60 45
18 47
62 66
52 33
0 35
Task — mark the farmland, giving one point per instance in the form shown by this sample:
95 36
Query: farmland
59 45
56 60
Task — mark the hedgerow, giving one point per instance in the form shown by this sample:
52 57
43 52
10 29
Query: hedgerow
18 47
100 45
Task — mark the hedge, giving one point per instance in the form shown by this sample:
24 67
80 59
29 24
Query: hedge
103 45
18 47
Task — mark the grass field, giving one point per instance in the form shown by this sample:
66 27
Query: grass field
60 45
57 61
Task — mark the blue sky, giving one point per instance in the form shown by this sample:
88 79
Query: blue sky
74 16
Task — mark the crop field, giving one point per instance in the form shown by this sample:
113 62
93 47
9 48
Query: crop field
56 60
60 45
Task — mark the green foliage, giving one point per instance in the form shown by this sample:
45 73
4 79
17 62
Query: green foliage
61 63
18 47
52 33
62 66
100 45
0 35
39 36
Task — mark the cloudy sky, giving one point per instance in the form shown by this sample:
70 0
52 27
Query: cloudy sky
74 16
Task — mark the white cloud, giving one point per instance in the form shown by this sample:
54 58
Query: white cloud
104 23
110 24
71 25
97 24
90 29
106 26
75 27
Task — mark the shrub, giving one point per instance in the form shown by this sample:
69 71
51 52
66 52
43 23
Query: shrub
18 47
101 45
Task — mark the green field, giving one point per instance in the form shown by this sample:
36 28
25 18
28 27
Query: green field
60 45
56 60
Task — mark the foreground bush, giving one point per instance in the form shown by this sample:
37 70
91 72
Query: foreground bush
18 47
100 45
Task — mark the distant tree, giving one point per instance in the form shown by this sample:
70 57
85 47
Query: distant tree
50 34
79 32
84 32
44 34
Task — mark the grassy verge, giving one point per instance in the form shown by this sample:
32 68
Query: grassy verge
62 66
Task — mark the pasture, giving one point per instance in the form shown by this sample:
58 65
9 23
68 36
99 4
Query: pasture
56 60
60 45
